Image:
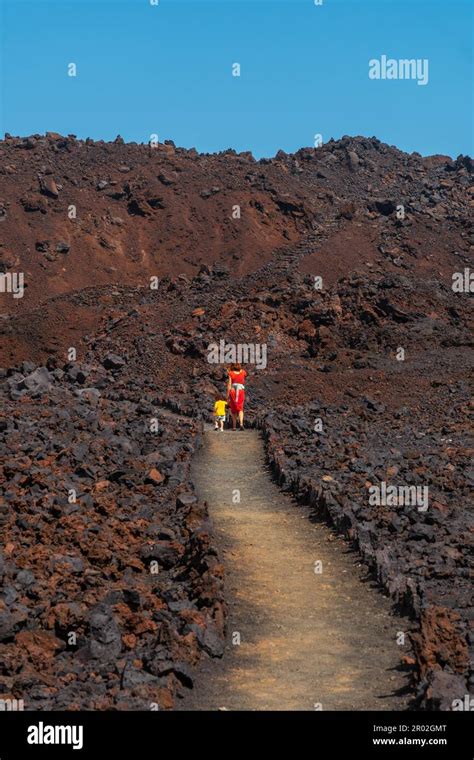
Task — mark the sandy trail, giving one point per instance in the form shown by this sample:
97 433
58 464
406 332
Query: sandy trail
308 640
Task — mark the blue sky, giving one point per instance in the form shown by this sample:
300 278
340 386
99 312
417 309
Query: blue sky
167 70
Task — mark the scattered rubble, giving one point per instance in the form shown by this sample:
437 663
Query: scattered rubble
341 264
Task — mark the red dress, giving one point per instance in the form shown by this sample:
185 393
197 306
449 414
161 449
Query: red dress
237 391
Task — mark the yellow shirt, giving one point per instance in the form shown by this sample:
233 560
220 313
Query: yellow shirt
219 408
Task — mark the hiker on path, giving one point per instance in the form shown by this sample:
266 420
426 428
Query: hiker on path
219 413
236 393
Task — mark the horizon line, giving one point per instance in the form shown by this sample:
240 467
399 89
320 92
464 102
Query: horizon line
168 141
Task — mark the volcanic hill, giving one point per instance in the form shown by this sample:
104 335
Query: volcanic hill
340 260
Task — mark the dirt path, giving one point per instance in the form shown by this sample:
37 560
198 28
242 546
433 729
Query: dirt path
306 638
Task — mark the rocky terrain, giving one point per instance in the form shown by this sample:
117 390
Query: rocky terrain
132 256
110 582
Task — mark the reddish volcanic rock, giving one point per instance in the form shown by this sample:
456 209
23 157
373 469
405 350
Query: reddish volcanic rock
108 562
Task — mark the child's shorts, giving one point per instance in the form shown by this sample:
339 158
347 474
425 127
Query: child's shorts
220 417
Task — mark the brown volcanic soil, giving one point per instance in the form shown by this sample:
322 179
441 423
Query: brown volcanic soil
155 208
330 212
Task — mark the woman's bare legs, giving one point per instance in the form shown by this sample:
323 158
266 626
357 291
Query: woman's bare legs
234 420
241 419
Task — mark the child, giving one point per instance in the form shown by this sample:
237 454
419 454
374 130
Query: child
219 414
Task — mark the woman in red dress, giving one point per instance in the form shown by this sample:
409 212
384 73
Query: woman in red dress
236 393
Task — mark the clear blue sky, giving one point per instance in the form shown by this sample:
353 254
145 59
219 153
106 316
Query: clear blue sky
166 69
